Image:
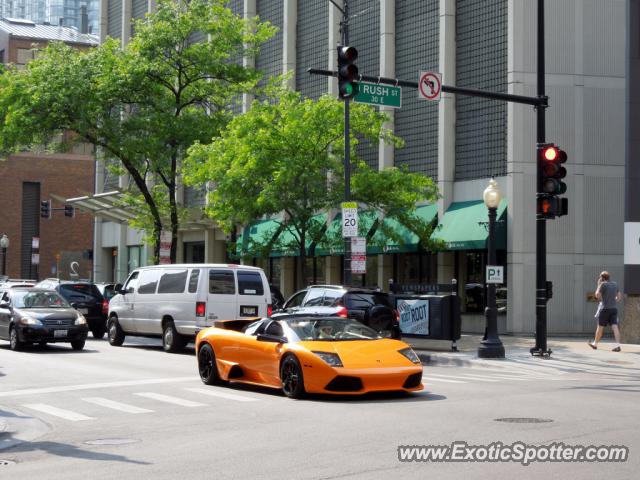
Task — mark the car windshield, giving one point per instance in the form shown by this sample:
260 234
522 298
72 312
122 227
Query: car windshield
39 300
331 329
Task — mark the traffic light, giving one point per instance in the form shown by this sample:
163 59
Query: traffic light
69 211
347 72
550 206
45 209
552 172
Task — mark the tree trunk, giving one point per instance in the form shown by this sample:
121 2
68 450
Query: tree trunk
302 267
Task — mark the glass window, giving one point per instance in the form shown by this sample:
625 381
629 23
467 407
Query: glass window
172 281
148 281
275 329
134 257
314 298
222 282
296 300
362 300
250 283
132 283
332 298
193 280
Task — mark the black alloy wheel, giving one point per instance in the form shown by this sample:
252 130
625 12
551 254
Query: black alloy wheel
116 335
99 332
14 342
291 376
207 366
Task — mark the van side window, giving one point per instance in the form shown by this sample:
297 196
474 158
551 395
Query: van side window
173 281
250 283
132 283
222 282
148 281
193 280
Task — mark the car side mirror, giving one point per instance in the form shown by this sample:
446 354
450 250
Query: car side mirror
265 337
74 304
4 305
118 289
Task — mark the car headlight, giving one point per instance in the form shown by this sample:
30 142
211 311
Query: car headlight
410 355
29 321
330 358
80 320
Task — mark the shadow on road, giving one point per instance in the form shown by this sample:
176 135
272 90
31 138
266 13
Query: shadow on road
61 348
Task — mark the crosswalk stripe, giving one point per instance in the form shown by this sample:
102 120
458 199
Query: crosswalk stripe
169 399
58 412
123 407
466 377
216 393
433 379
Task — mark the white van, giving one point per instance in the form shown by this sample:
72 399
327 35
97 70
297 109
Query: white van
176 301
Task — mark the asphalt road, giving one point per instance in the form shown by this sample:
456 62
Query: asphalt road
137 412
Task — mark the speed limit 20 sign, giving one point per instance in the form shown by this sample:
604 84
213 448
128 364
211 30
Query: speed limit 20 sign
349 219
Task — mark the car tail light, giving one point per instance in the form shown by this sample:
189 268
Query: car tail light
201 308
342 312
269 310
105 307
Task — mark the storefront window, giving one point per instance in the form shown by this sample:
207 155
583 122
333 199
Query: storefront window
194 252
474 287
315 270
416 268
134 257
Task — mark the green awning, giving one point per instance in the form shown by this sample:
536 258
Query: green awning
255 236
287 243
406 240
464 226
332 243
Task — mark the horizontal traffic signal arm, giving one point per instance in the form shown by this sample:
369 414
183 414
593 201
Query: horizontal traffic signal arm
540 101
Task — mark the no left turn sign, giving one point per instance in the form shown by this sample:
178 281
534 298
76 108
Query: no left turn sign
429 85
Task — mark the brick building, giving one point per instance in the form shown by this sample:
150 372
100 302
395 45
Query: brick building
28 178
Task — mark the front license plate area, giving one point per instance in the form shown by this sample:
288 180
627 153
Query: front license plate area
60 333
248 311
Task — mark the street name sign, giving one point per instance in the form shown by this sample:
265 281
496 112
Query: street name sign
349 219
429 86
378 94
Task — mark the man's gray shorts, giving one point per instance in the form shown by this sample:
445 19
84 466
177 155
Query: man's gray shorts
608 316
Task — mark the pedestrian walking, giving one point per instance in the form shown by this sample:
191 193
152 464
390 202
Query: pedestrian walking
607 314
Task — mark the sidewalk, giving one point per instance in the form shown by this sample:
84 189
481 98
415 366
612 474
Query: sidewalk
439 351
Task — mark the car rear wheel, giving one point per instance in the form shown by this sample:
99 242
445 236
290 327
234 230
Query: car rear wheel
14 342
99 332
172 341
77 344
207 366
291 377
116 335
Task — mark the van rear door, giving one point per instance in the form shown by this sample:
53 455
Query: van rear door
222 298
253 294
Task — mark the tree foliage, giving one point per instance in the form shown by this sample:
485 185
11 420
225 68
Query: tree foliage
284 159
143 105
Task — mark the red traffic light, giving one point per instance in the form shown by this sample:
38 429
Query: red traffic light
550 154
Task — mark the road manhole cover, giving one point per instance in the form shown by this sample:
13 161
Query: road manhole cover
524 420
6 463
111 441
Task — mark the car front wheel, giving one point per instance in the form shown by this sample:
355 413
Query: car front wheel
116 335
14 341
291 377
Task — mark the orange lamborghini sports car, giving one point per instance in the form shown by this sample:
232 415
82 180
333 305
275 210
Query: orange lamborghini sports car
307 354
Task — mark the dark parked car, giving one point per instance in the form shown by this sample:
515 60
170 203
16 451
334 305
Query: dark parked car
277 299
32 315
370 307
84 297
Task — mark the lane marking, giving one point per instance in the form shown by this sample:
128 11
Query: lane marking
431 378
216 393
467 377
91 386
58 412
169 399
122 407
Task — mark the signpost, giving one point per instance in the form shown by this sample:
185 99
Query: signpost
165 247
495 274
359 255
349 219
379 94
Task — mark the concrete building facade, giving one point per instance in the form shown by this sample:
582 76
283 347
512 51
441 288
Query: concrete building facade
459 141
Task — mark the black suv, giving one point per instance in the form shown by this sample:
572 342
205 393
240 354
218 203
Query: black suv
370 307
84 297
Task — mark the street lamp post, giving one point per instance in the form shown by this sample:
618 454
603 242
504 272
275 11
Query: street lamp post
491 346
4 244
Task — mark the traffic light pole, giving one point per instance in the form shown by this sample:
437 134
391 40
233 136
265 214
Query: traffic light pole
540 102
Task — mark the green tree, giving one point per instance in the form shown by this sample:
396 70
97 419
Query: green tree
142 105
285 158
